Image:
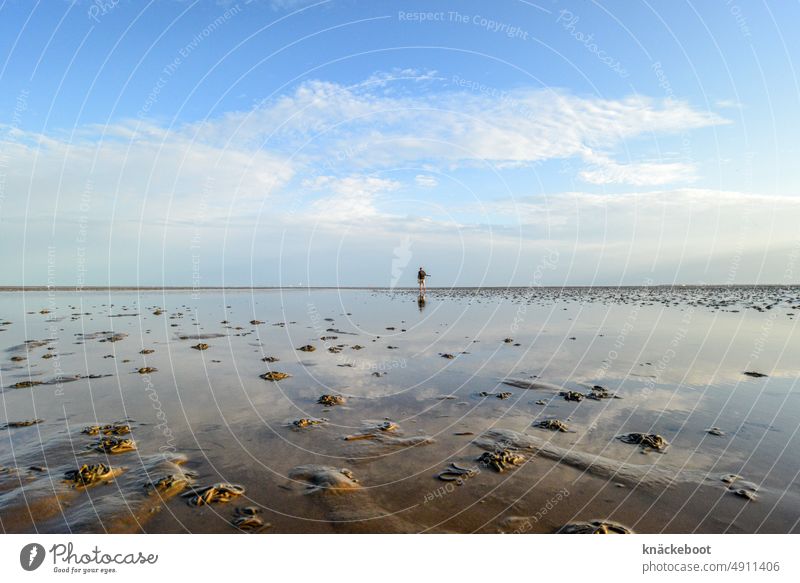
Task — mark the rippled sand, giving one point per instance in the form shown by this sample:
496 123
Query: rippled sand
417 394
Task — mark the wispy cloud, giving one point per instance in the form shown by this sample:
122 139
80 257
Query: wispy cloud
456 128
325 155
139 170
350 131
387 78
425 181
603 170
728 104
351 198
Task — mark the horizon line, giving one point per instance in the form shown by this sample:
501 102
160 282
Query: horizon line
93 288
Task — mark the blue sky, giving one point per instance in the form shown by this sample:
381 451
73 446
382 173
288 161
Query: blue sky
347 142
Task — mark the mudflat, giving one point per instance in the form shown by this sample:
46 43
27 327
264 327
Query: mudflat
522 410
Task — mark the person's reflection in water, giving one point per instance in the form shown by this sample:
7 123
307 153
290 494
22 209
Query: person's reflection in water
421 302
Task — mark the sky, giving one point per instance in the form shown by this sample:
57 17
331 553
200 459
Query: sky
345 142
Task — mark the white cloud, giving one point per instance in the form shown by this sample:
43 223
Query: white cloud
322 120
134 173
606 171
425 181
728 104
703 221
688 235
384 78
351 198
346 131
321 154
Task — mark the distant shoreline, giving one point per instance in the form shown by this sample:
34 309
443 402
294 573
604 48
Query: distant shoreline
74 289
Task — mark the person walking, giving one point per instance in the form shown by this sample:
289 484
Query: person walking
421 275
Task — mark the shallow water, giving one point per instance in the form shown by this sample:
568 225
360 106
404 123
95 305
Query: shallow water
674 357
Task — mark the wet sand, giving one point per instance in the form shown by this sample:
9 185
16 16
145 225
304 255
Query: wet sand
492 410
